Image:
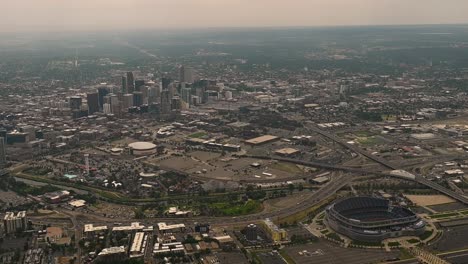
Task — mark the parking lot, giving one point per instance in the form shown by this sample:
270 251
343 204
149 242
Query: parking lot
327 253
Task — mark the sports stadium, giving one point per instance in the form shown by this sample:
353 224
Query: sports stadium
371 219
142 148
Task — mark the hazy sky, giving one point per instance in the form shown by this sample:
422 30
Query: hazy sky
65 15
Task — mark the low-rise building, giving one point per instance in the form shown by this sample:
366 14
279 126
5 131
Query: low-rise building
164 228
132 227
277 234
112 254
138 246
91 230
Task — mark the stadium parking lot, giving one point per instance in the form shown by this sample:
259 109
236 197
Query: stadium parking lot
327 253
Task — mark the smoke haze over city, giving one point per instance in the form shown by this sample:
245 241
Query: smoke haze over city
59 15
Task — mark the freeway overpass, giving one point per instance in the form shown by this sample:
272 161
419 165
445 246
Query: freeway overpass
389 165
354 148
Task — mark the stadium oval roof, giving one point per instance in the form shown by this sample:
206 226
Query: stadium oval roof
141 145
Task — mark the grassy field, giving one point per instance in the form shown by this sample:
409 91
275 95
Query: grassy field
368 141
286 167
426 235
405 254
197 135
334 236
363 133
444 215
229 209
394 244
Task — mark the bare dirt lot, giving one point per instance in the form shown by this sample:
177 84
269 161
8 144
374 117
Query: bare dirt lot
113 211
427 200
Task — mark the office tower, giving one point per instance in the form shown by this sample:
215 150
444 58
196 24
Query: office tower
137 98
228 95
153 94
30 130
75 106
176 103
93 102
75 103
127 101
196 100
124 85
13 223
114 103
2 153
17 137
144 108
186 93
165 83
186 74
106 99
106 108
154 108
251 232
165 102
145 94
139 84
102 92
130 82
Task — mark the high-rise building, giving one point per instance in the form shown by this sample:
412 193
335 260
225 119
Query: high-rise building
2 152
155 110
30 130
153 94
93 102
86 157
228 95
251 232
196 100
14 137
186 93
137 98
176 103
106 108
186 74
75 106
145 94
102 91
124 85
115 104
165 83
75 103
139 84
127 101
165 102
130 82
13 223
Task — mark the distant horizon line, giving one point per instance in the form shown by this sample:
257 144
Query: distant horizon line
181 29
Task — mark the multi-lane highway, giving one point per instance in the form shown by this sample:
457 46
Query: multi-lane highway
389 165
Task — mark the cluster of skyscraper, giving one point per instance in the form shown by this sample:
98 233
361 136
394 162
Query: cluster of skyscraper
161 98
